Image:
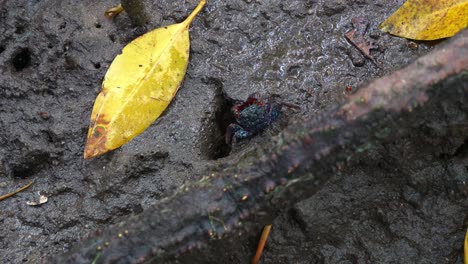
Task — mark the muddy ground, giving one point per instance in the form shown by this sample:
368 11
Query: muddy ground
397 204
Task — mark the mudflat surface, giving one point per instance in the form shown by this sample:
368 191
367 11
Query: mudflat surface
398 204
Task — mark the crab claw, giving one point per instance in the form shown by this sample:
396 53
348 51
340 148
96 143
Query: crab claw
230 131
254 98
235 132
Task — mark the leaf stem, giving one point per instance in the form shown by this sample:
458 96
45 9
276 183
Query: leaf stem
3 197
192 15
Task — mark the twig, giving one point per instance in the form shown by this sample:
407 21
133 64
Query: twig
261 244
3 197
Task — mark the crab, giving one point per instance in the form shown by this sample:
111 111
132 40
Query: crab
253 116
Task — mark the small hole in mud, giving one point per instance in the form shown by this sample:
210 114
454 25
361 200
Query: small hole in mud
50 46
22 59
213 135
112 37
97 25
22 173
462 150
97 65
2 49
19 29
49 92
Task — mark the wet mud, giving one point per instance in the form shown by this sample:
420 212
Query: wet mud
398 204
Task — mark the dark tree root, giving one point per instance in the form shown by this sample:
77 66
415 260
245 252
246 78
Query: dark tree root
293 166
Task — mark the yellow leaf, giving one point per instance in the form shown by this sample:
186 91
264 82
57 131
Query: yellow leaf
139 85
465 255
427 19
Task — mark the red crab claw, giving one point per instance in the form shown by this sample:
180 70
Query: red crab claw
254 98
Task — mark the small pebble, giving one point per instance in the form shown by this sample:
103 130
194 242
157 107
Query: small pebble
412 45
44 115
358 60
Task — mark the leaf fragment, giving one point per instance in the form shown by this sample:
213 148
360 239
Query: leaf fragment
427 19
139 85
112 12
357 37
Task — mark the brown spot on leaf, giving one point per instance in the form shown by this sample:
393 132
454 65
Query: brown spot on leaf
97 137
99 131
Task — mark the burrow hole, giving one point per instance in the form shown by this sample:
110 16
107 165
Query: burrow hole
21 59
112 37
213 135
